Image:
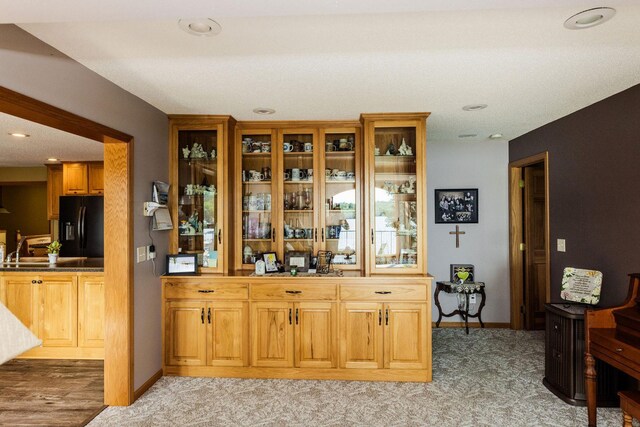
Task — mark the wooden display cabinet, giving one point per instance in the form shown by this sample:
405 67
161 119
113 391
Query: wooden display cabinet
200 198
395 165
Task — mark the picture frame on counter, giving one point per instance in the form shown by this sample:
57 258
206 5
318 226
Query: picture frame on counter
182 264
271 262
298 259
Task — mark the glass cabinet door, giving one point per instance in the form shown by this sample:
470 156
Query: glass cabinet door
341 194
257 174
199 230
396 216
297 150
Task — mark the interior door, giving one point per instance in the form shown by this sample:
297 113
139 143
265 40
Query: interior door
535 282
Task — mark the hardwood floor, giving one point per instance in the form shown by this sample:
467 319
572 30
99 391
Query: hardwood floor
51 392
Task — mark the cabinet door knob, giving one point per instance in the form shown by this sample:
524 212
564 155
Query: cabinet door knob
372 236
209 314
290 322
386 317
379 317
202 315
322 234
273 234
39 282
33 282
219 237
296 316
315 239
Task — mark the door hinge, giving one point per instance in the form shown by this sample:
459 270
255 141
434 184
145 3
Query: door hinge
521 183
522 247
522 309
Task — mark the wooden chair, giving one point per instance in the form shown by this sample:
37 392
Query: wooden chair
630 405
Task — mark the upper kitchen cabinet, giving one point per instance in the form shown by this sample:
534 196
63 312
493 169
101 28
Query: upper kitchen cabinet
201 196
82 178
96 178
54 190
395 164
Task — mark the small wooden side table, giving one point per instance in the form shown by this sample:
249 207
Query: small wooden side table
630 405
465 289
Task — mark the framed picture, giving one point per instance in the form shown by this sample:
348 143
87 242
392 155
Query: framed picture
270 262
182 264
461 272
299 259
456 206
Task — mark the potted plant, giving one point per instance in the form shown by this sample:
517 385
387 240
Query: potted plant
53 250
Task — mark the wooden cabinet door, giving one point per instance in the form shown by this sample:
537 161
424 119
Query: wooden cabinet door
58 317
316 340
74 178
96 178
405 337
91 311
18 295
54 190
361 335
185 333
272 331
227 333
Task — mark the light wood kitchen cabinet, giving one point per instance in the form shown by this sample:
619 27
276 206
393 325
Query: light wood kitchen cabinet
200 333
91 311
361 342
405 335
96 178
75 178
287 334
64 310
54 190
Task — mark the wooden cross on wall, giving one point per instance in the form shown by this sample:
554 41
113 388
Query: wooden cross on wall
457 233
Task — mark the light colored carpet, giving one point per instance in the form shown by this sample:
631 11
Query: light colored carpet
491 377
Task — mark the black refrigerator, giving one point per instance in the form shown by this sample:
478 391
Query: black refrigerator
81 226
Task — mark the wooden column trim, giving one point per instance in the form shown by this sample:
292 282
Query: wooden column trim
118 273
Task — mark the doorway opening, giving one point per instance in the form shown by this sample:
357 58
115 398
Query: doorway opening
118 234
529 261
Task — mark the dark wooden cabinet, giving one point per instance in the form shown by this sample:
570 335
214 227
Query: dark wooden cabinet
564 358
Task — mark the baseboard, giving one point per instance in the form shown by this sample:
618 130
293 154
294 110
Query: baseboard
147 385
499 325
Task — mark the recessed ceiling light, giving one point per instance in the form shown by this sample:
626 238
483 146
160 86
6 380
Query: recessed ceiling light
495 136
52 159
206 27
264 111
474 107
19 135
589 18
467 135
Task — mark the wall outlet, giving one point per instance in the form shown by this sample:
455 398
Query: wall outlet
561 245
472 299
151 252
142 254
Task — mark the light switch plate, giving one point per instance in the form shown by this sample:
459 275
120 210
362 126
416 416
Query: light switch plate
472 298
142 254
561 245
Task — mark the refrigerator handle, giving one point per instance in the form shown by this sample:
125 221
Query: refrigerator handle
80 226
84 234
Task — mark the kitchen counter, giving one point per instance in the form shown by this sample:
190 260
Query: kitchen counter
75 265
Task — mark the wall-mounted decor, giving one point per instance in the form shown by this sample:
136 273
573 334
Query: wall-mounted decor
456 206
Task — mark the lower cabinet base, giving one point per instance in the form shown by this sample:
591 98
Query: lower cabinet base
63 353
401 375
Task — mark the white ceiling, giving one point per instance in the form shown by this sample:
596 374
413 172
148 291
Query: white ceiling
44 142
335 60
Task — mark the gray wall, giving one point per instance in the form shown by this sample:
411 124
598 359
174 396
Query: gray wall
35 69
593 185
27 205
481 165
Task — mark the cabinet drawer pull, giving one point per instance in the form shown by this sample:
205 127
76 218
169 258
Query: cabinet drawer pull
202 316
294 292
383 292
209 315
206 291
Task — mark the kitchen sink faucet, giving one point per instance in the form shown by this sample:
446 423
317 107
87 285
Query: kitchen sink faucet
17 251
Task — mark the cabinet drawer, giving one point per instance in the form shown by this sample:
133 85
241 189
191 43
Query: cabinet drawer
383 293
204 291
293 292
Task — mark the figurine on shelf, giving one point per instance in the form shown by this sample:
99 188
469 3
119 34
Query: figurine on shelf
197 152
193 223
212 189
199 227
391 150
376 151
186 152
412 185
404 149
390 187
213 154
188 190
